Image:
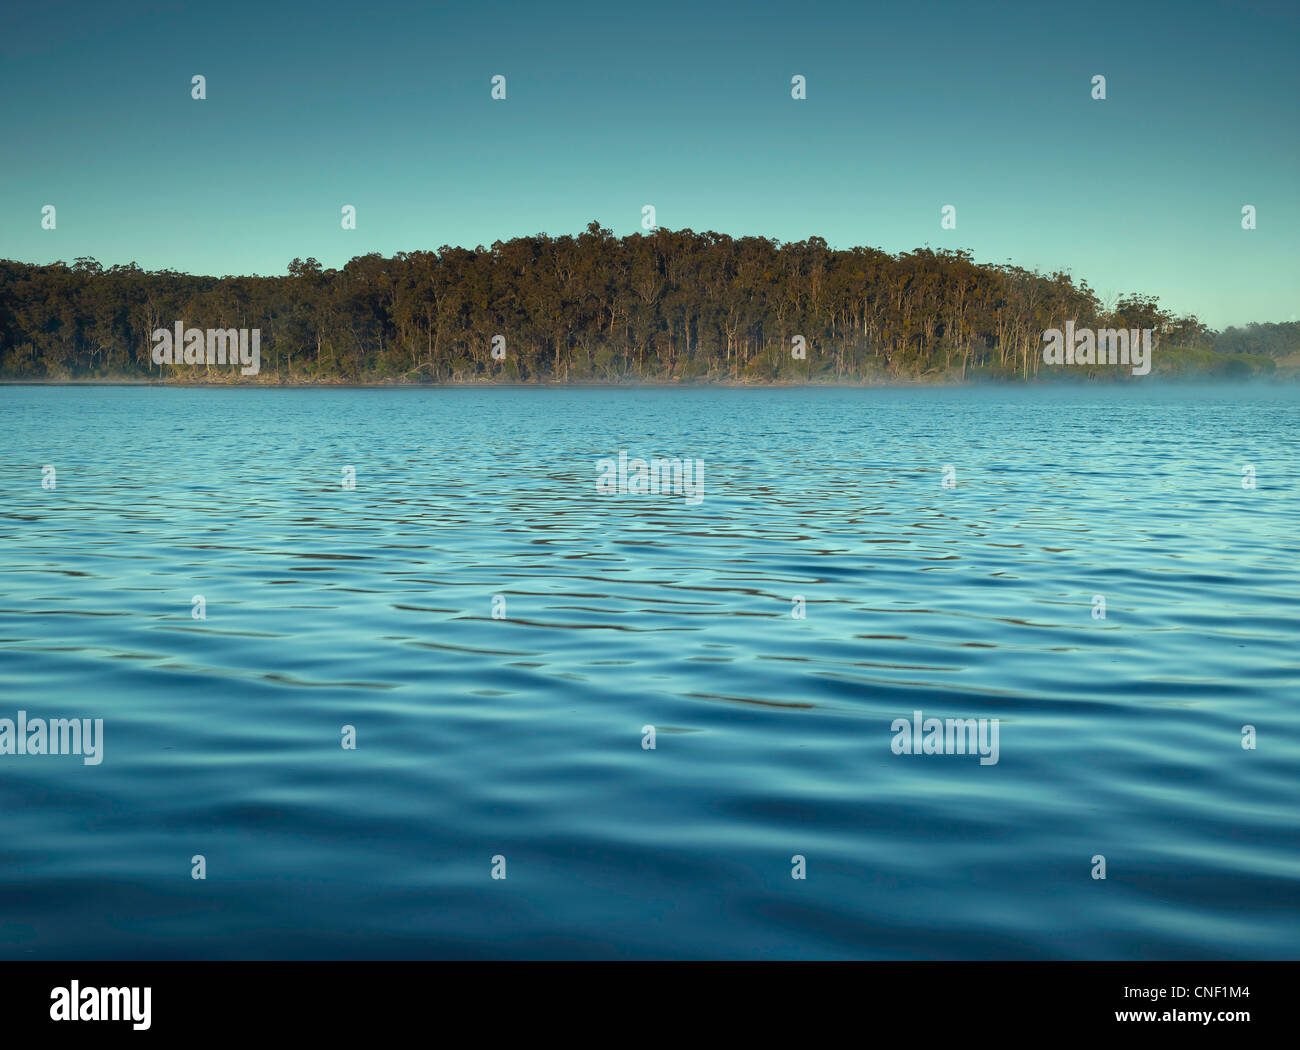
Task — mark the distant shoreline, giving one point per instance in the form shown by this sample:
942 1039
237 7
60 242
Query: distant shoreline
493 384
1162 379
663 308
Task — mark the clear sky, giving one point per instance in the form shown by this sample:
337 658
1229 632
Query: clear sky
911 105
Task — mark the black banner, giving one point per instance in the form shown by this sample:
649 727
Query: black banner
173 1001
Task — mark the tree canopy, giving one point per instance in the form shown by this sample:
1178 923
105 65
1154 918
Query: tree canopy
665 305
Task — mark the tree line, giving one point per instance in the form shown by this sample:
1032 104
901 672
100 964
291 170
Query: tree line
664 305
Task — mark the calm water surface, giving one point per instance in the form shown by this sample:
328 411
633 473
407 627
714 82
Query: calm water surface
521 737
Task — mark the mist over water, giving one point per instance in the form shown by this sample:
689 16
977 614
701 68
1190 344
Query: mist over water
521 737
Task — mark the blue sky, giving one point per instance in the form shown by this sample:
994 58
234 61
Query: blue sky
911 106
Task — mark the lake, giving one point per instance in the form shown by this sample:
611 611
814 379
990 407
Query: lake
202 571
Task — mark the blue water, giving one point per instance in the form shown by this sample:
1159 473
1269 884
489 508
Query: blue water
522 737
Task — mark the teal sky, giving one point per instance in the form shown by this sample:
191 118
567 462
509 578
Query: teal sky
910 106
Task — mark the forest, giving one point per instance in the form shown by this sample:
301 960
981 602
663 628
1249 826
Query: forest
664 306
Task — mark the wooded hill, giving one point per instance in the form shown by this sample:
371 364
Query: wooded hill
667 305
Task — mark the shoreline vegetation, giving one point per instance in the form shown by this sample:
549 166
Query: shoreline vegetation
634 383
664 308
